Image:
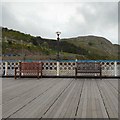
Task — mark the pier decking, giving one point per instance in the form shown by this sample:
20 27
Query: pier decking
59 98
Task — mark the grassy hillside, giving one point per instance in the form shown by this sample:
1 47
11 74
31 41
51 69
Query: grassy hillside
87 47
97 47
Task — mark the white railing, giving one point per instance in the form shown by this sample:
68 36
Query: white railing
62 68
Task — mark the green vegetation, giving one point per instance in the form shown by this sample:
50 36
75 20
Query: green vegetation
87 47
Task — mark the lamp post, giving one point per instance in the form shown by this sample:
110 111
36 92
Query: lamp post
58 45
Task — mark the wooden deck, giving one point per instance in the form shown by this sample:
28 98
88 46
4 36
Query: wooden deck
60 98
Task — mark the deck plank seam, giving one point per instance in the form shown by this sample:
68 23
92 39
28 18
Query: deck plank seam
114 87
79 100
56 99
22 93
29 102
113 90
103 100
109 96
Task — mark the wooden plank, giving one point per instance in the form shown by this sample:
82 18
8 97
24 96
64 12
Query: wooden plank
72 109
113 89
8 82
66 105
60 98
44 111
37 108
114 83
91 104
100 108
18 89
94 101
109 98
56 109
18 102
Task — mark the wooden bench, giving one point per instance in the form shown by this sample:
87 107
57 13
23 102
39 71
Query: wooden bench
29 69
88 67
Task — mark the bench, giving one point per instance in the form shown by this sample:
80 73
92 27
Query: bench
29 69
88 67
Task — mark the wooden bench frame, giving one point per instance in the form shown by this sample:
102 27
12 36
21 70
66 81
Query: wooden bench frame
29 68
88 67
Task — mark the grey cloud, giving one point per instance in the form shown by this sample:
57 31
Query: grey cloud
8 19
105 14
37 20
102 20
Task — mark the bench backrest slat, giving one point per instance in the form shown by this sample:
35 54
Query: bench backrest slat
88 67
29 69
30 66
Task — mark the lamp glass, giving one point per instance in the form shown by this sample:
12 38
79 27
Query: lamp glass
58 33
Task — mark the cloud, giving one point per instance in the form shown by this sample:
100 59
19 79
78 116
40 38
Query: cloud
97 20
59 1
71 18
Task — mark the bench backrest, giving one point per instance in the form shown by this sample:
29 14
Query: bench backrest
88 67
31 66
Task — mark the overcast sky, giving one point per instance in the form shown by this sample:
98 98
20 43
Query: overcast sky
71 18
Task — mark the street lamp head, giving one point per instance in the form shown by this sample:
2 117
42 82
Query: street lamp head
58 33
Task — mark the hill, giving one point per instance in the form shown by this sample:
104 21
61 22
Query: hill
85 47
97 47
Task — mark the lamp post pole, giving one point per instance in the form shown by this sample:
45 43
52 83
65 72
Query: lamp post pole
58 45
58 56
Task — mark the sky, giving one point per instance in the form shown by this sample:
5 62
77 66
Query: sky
71 18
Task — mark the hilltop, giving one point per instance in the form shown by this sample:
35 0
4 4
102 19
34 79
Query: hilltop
82 47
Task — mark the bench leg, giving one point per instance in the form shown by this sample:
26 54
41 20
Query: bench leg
41 74
15 73
38 74
15 76
75 73
20 74
76 76
100 74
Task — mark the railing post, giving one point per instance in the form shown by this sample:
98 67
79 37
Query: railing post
6 68
76 68
58 68
115 68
